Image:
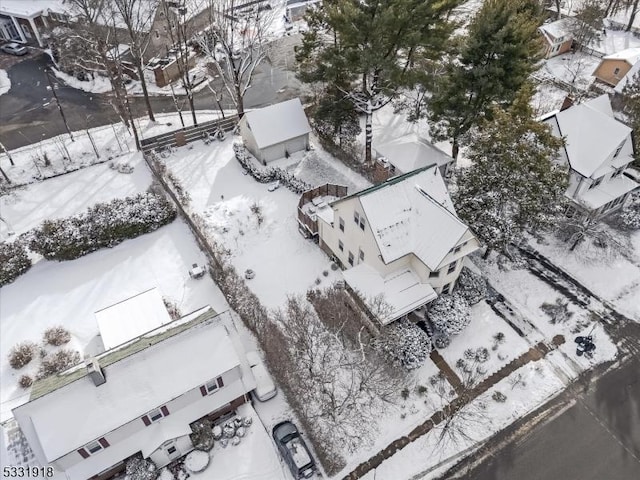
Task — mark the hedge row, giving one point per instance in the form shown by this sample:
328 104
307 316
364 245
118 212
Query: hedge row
271 174
103 225
14 261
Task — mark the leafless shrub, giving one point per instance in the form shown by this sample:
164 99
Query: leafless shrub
57 362
172 308
56 336
21 354
25 381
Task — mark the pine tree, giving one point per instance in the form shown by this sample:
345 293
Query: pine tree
513 184
364 48
501 50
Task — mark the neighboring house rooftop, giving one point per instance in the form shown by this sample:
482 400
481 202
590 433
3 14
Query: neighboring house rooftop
131 318
633 74
412 213
68 410
557 29
411 151
277 123
31 8
592 134
630 55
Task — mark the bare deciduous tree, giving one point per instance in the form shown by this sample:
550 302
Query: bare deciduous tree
236 43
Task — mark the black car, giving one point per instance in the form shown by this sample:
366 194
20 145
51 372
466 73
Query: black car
294 450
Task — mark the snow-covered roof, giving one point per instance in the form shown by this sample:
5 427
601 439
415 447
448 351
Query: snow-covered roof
409 152
557 29
142 375
401 290
277 123
31 8
606 192
630 55
131 318
413 213
633 73
591 132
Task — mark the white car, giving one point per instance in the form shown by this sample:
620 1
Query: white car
265 388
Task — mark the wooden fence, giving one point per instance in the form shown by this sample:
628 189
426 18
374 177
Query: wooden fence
182 136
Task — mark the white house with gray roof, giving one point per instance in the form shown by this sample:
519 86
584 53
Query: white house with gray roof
138 398
598 149
400 241
275 131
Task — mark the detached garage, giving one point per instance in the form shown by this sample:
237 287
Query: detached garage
276 131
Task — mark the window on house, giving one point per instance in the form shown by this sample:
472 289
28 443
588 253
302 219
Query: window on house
616 71
361 255
457 249
93 447
341 245
356 217
452 267
171 450
211 386
446 288
155 415
617 152
435 274
362 223
341 223
351 259
596 182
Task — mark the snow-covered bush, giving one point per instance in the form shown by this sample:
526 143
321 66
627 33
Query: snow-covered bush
499 396
21 354
558 312
479 355
404 342
25 381
202 436
196 461
172 308
57 336
629 216
57 362
441 341
103 225
449 314
14 261
138 468
471 286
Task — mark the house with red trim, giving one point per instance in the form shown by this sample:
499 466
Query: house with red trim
138 398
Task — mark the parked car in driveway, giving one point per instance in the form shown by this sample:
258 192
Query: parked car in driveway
14 49
294 450
265 388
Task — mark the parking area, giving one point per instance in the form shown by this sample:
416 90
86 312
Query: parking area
7 61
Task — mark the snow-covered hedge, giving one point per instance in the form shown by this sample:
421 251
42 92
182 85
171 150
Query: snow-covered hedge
103 225
138 468
13 261
271 174
630 215
449 314
404 342
471 286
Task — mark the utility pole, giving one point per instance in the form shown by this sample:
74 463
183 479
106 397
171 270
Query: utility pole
55 95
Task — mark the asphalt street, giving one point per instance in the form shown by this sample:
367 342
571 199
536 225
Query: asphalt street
28 112
598 438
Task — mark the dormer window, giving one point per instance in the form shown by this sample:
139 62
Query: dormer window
94 447
596 182
211 386
155 415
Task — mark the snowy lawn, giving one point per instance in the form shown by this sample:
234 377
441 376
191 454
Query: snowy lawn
422 458
254 458
5 83
613 275
68 293
485 324
258 227
528 293
573 68
70 194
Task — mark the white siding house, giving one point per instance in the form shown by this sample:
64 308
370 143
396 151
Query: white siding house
400 241
140 397
275 131
598 149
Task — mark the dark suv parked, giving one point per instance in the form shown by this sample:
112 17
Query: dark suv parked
294 450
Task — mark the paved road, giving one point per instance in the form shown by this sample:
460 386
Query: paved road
28 112
596 439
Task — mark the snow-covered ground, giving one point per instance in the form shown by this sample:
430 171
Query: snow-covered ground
547 98
421 458
615 41
5 83
613 275
575 69
70 194
273 247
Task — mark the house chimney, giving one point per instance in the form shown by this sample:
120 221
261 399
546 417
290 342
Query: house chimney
95 371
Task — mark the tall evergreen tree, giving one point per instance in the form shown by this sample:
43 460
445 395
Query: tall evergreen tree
364 48
501 50
513 184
